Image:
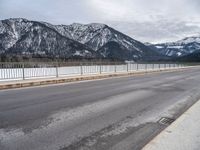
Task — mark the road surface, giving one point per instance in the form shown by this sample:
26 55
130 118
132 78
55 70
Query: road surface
114 114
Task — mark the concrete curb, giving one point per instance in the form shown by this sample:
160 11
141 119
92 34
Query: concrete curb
183 134
35 82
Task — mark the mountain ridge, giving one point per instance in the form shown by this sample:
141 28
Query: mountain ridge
52 40
20 36
180 48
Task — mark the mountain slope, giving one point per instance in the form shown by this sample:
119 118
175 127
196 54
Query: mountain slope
193 57
99 36
180 48
114 49
23 37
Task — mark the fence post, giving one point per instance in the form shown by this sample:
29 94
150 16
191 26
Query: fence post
146 67
115 67
100 69
23 73
57 71
137 66
159 67
81 65
127 67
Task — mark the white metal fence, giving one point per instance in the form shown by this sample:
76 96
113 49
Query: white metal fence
20 71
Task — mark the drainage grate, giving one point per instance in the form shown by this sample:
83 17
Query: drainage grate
166 121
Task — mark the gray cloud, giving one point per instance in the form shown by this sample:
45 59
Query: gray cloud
145 20
162 31
54 11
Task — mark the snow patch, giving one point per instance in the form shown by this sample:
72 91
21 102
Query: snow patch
159 47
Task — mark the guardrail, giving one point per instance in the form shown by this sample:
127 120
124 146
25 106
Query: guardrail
22 71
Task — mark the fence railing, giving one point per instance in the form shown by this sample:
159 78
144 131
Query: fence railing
22 71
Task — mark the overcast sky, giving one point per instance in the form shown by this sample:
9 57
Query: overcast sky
145 20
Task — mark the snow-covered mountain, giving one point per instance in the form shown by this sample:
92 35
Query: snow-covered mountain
180 48
24 37
95 35
102 38
193 57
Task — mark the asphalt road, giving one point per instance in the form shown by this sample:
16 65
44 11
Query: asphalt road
114 114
